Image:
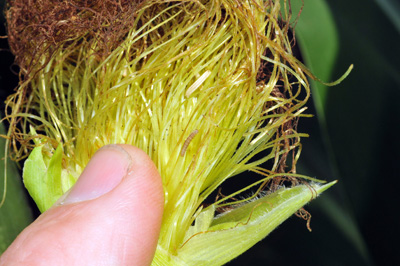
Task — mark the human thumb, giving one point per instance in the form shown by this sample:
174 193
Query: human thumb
112 216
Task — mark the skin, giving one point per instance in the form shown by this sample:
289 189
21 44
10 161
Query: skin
112 216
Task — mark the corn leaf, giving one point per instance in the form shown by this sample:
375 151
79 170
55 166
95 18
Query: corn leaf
15 213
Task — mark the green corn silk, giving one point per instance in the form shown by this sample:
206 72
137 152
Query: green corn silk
208 89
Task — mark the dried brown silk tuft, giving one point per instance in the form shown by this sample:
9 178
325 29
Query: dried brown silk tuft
37 28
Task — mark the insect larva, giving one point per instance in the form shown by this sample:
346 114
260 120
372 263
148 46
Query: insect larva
197 83
187 141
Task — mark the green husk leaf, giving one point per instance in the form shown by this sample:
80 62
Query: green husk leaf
236 231
42 179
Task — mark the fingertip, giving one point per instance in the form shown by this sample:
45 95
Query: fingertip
119 227
144 201
146 178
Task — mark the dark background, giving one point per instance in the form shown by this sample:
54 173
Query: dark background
356 221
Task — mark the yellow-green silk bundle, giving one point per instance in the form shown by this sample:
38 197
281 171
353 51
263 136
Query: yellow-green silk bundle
208 89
